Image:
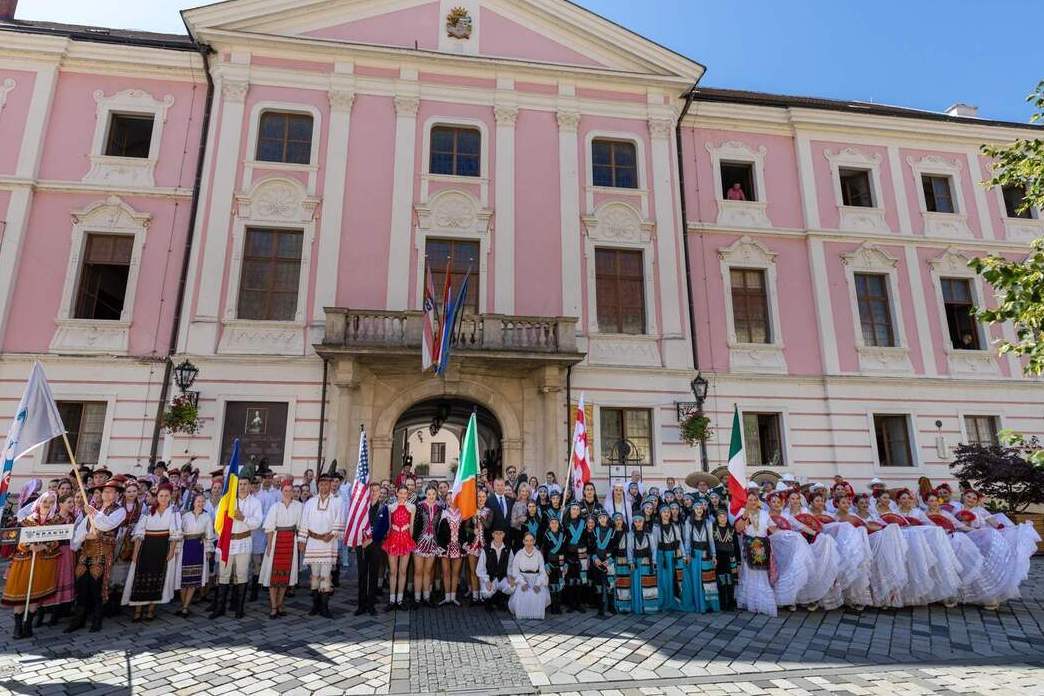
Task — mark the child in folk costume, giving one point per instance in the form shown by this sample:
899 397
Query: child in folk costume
197 545
65 590
528 577
575 530
622 581
587 593
700 542
495 583
533 521
318 535
673 581
17 588
754 591
553 549
726 558
645 597
425 523
600 568
279 567
451 549
399 544
151 579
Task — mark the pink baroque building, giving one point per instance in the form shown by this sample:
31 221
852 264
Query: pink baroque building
266 196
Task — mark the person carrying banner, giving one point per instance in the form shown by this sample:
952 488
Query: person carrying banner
28 579
235 564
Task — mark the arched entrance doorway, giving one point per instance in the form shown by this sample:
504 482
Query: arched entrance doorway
429 433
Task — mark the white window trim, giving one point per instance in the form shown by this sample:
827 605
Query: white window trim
275 203
868 258
482 180
39 457
291 420
251 163
130 172
111 216
748 253
617 225
964 413
771 407
740 213
641 193
916 458
953 264
655 436
6 87
1020 229
454 214
942 224
858 218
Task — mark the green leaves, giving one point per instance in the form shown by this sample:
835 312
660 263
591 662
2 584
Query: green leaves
1021 164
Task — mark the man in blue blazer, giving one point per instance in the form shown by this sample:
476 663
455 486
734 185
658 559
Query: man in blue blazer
368 555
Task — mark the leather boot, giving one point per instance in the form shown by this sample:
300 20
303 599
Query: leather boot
335 576
19 633
78 622
214 592
96 622
27 625
253 589
220 602
39 615
324 605
315 603
240 594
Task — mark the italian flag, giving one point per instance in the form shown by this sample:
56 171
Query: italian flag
465 486
737 482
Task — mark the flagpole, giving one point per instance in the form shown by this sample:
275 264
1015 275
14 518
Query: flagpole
79 481
29 587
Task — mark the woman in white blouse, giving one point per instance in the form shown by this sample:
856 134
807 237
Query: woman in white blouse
197 546
151 579
528 576
280 565
754 591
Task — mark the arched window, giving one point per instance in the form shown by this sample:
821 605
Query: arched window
285 137
456 151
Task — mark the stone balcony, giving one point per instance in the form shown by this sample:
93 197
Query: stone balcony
485 337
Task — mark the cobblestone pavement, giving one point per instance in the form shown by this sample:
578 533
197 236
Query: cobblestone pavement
449 650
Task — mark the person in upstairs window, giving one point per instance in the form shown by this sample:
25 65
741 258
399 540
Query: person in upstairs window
735 192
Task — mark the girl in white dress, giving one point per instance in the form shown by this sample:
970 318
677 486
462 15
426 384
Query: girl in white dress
945 574
968 555
528 576
856 558
754 591
152 576
888 574
791 554
821 589
279 567
1022 540
197 546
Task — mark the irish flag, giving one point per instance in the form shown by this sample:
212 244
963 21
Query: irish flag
465 486
737 467
226 512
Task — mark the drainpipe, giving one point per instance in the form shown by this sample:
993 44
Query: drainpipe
322 417
204 51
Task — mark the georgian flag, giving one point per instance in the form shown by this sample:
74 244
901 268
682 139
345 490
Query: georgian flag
36 423
579 469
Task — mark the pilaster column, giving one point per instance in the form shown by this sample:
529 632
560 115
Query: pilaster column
660 131
406 107
569 172
342 97
807 180
504 262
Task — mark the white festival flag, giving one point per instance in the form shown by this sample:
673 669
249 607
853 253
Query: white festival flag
36 423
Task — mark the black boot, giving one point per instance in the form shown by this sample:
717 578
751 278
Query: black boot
19 633
78 622
324 605
335 576
212 609
239 601
27 625
96 621
254 589
39 614
220 602
314 611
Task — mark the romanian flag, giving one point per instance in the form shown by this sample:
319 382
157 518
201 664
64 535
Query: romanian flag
465 486
226 511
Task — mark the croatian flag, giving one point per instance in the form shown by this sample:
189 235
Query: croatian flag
36 423
579 470
430 349
449 322
358 528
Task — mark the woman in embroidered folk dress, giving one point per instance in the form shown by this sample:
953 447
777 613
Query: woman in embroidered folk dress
791 555
474 539
197 545
575 557
151 579
533 522
821 589
991 533
529 578
133 505
945 572
65 590
669 554
888 574
754 592
279 568
969 558
425 523
700 542
553 549
451 549
622 580
726 558
399 545
44 573
684 571
645 597
600 569
856 559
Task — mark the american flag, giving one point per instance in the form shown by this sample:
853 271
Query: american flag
358 529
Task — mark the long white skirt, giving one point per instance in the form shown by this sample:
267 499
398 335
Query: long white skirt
793 559
754 591
946 578
529 604
1023 540
854 562
920 564
970 559
265 577
998 558
822 577
888 570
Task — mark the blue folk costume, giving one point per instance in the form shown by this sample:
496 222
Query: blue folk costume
552 546
700 542
726 557
601 570
672 572
576 561
623 581
645 593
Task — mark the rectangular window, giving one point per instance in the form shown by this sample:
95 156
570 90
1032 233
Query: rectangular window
893 440
763 439
130 135
750 313
85 423
620 291
103 277
271 274
957 300
626 433
938 193
856 190
285 138
438 453
737 181
614 163
982 430
1014 198
456 151
455 256
875 309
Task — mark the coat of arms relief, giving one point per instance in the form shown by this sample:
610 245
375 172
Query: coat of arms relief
459 23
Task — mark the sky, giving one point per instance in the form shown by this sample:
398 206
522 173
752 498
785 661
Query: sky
925 54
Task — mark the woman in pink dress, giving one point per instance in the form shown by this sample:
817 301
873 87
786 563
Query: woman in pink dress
61 601
399 545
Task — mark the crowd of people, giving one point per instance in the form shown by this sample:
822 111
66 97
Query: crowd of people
532 548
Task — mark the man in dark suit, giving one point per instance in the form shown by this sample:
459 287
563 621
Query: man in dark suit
368 555
499 505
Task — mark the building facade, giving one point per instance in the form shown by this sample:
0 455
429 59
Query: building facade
268 196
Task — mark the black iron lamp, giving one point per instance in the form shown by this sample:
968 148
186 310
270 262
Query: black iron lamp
185 375
699 387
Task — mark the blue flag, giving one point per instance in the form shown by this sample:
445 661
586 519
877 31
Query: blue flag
449 324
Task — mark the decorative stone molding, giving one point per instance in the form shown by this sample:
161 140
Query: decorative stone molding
661 127
1022 229
749 253
506 116
868 220
251 165
243 337
568 121
619 222
951 263
634 351
868 258
884 360
130 172
5 88
453 214
757 358
278 200
955 224
407 107
972 363
111 216
235 90
750 213
341 99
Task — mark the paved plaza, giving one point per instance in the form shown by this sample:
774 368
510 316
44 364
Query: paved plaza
920 651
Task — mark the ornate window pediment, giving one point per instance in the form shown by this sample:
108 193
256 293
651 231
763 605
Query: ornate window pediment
130 172
937 224
750 254
619 222
866 219
952 263
895 359
869 257
748 213
453 214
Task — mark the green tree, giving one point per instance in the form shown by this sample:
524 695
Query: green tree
1019 285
